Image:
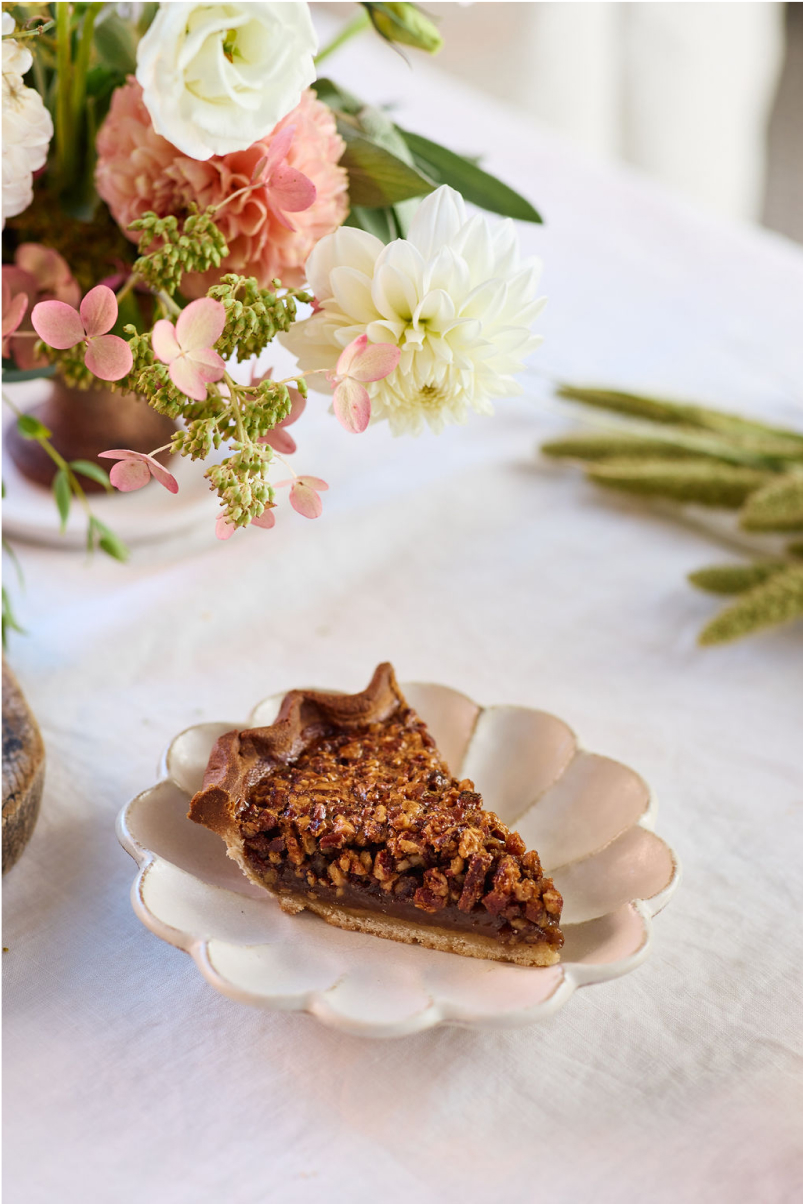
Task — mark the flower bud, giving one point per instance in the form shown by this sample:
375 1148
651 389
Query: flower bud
405 23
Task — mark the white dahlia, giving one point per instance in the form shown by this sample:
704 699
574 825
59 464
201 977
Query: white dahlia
453 296
27 127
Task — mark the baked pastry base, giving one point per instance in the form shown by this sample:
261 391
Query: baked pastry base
392 928
466 944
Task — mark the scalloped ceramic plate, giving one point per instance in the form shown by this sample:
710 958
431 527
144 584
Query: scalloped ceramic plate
589 817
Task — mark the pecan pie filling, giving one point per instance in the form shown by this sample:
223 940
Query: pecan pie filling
370 819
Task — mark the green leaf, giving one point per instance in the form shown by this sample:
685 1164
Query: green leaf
147 13
776 507
63 496
87 469
9 619
379 222
378 178
778 600
101 80
703 482
476 185
110 543
12 374
335 97
31 428
13 557
116 43
377 126
735 578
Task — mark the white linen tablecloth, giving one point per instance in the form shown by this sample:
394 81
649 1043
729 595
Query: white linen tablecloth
463 560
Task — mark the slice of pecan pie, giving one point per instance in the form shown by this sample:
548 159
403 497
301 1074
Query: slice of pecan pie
345 806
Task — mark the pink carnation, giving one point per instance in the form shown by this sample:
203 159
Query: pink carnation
139 171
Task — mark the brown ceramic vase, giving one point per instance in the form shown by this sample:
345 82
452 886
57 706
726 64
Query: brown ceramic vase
84 422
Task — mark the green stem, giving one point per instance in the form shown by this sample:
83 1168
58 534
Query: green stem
127 287
20 35
235 405
39 75
349 31
81 65
63 72
170 306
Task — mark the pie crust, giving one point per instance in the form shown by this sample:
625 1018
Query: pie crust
345 807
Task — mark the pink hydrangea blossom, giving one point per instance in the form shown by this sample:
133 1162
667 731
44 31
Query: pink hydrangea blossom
59 325
135 469
187 346
224 528
39 274
304 495
295 169
14 307
360 361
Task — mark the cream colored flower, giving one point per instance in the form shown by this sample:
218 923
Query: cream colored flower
453 297
27 127
218 77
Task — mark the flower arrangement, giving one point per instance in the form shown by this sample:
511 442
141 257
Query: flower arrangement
180 184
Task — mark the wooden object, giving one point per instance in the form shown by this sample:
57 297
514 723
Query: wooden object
23 770
84 422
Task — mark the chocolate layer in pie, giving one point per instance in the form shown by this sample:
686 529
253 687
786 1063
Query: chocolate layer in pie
346 807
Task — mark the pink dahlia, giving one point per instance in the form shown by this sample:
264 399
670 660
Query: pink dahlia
269 234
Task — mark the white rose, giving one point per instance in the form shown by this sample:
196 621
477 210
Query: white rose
218 77
27 128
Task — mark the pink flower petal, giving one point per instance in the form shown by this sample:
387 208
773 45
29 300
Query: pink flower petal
375 362
57 324
223 528
164 342
13 311
291 190
186 377
279 146
258 169
313 483
266 519
352 406
152 467
51 272
128 475
210 365
99 312
109 357
349 354
161 475
122 453
201 324
280 441
305 500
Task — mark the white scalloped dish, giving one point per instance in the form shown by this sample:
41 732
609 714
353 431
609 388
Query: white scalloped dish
589 818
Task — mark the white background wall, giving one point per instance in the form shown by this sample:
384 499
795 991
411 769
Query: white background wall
683 90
